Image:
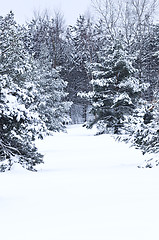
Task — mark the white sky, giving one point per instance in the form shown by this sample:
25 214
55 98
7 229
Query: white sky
23 9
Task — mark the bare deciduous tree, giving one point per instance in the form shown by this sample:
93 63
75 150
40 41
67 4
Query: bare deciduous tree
110 12
131 16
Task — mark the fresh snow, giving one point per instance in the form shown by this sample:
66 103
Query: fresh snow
89 188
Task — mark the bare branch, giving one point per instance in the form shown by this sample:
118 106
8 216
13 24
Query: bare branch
110 13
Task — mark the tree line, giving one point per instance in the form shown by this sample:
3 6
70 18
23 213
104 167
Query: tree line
101 72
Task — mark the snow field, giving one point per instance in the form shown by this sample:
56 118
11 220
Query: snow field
88 189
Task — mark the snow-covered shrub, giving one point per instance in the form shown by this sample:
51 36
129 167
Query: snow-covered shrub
144 135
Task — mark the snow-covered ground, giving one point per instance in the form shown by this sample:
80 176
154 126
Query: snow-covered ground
88 189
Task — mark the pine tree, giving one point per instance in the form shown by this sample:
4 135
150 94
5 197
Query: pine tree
43 40
19 123
145 132
146 136
116 90
83 45
150 61
51 96
45 30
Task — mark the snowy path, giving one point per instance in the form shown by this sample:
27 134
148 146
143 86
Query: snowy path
88 189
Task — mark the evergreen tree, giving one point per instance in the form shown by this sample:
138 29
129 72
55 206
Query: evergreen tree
150 62
146 136
83 45
43 40
116 90
51 97
49 31
19 123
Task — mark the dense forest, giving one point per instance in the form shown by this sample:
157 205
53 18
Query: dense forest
101 72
